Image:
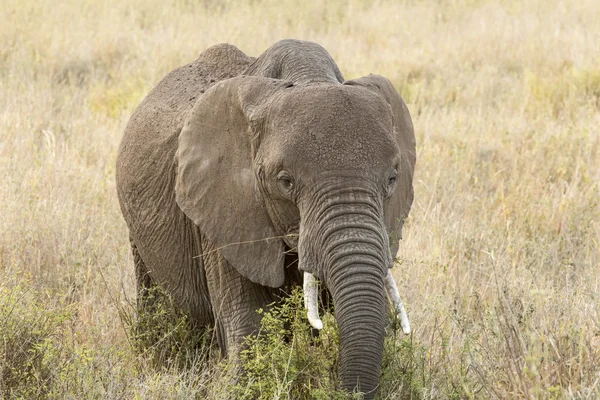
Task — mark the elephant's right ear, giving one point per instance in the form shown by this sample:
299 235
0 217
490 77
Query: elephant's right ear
216 185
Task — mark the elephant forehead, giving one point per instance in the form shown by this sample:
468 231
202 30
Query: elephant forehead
334 126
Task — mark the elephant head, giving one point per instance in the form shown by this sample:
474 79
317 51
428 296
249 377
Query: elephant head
325 168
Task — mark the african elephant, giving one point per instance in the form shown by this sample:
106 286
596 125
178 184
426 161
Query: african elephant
239 177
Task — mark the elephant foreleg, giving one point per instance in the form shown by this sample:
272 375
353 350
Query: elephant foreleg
235 301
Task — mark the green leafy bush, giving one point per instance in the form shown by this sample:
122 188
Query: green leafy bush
286 360
30 345
164 334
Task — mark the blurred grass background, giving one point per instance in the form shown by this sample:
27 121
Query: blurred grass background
500 262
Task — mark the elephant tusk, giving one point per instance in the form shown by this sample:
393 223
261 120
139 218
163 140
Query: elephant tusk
310 300
394 295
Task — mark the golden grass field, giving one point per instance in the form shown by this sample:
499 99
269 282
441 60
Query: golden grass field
500 263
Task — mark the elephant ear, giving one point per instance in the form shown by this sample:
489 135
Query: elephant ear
215 184
397 207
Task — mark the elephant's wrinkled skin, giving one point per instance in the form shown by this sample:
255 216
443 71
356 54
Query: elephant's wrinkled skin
232 161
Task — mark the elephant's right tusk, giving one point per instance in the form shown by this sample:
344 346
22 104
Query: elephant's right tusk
310 300
392 290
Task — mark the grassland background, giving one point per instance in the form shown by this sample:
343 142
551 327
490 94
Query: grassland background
500 263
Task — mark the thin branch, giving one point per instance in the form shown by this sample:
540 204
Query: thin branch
246 242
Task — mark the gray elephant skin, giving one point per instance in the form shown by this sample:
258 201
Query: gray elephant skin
236 175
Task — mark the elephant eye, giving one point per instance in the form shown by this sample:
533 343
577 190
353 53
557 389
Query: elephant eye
391 183
393 177
285 182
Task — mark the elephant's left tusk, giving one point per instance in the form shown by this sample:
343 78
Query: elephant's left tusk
392 290
310 300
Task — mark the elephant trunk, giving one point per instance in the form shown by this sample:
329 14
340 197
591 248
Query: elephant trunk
354 256
360 312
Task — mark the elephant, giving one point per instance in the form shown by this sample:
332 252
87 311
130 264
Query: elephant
241 177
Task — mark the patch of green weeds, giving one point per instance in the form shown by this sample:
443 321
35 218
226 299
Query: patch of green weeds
31 343
404 369
164 334
286 360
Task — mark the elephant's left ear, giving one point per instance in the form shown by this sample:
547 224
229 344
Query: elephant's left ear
397 207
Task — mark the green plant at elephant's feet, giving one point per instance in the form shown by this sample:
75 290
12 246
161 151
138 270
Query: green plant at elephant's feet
404 373
164 334
31 343
286 360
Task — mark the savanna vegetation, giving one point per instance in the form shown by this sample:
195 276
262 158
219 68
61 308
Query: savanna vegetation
500 263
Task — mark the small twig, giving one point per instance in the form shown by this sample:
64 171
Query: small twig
246 242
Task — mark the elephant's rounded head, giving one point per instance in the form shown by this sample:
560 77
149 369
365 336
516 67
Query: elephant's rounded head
325 168
322 145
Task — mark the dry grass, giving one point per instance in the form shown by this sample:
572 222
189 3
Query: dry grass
500 266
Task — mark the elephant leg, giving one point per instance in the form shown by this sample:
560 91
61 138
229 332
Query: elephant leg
143 281
235 301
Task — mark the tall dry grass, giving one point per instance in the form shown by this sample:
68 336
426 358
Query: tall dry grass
500 264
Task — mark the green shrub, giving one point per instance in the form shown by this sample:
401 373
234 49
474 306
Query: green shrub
164 334
286 361
30 346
